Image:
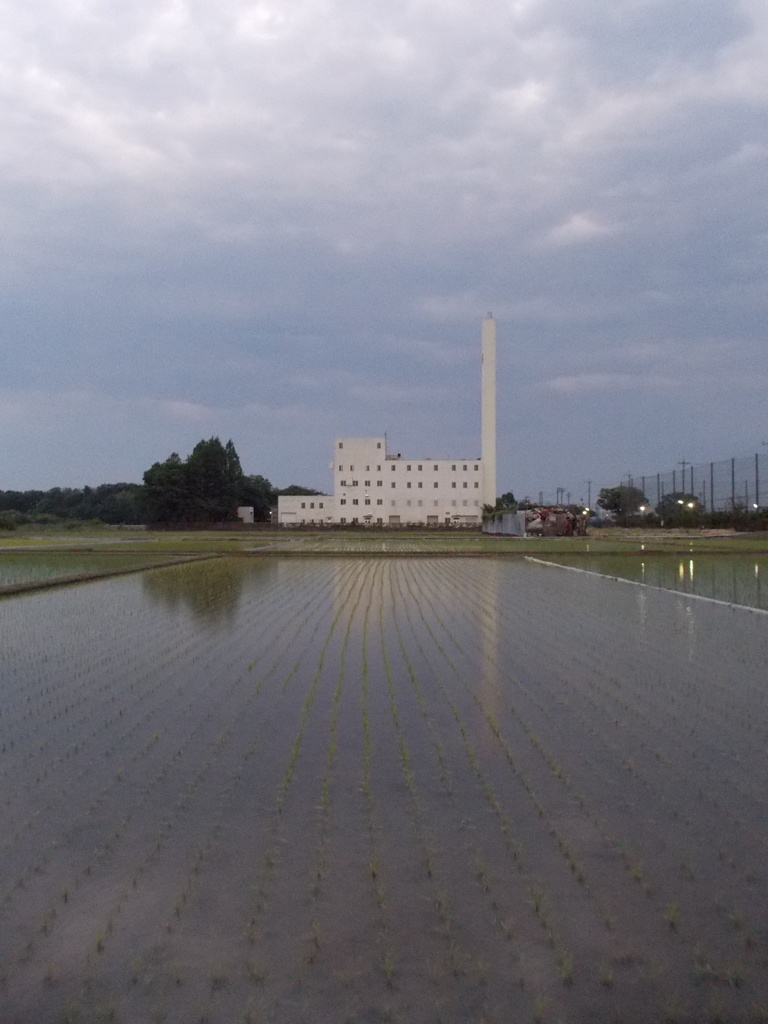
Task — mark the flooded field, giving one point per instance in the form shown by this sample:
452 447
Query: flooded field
23 567
734 578
411 790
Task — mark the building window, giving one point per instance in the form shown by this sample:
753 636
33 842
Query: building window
453 468
420 468
342 483
453 504
476 467
464 467
355 501
367 501
379 501
477 503
435 467
351 469
408 468
367 469
340 469
464 485
393 467
343 519
464 503
453 484
476 484
343 501
319 504
408 503
419 503
378 469
303 504
394 504
341 444
380 522
436 484
394 484
436 503
367 483
378 444
379 483
419 484
408 484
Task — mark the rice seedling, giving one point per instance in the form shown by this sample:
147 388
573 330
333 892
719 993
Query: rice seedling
672 916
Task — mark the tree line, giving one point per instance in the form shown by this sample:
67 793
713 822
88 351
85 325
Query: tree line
629 506
205 488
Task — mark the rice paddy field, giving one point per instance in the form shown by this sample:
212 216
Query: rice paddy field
259 788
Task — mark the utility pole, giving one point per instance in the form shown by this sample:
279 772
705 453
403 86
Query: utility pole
683 463
589 494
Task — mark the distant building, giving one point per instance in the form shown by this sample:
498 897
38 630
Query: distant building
374 487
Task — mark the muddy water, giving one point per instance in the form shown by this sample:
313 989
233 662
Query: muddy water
415 790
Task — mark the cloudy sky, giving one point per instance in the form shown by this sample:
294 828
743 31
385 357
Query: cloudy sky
283 221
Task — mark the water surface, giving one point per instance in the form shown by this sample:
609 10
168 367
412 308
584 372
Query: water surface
736 579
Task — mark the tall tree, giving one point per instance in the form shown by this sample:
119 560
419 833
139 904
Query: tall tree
213 481
678 504
259 493
622 501
207 488
165 497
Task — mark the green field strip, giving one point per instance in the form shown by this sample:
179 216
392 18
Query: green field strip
32 586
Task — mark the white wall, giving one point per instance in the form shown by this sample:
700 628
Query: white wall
373 486
307 509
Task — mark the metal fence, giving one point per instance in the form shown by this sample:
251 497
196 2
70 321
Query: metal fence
723 486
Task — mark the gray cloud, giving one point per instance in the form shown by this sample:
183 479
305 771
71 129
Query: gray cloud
284 222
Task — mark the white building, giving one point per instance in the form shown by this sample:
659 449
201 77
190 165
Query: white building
372 486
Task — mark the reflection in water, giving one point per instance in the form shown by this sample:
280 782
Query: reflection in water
724 577
643 616
210 590
490 628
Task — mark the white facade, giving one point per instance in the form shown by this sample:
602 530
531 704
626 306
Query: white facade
488 397
310 509
372 486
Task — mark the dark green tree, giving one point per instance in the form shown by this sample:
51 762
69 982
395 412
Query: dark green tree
165 497
623 501
213 481
258 492
677 505
296 489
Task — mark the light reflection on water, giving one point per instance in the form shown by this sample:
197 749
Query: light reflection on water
736 579
211 591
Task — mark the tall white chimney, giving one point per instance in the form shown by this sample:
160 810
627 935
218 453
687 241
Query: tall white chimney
488 451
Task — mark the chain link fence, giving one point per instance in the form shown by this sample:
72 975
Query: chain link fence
728 485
